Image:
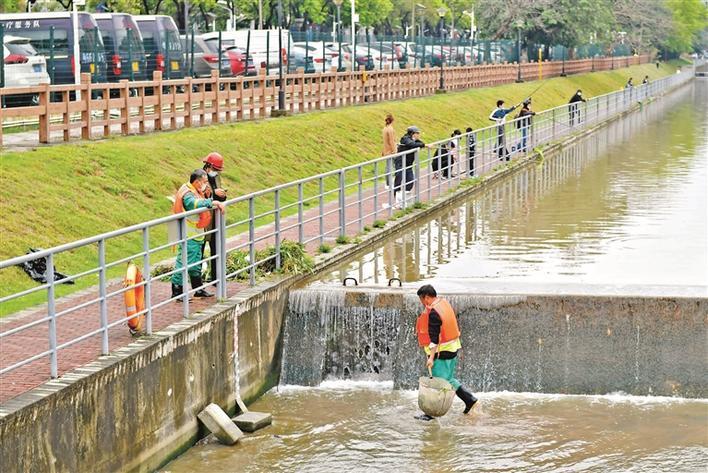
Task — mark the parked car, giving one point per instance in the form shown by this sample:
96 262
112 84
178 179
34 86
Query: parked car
206 57
23 68
237 60
123 45
51 34
361 56
322 57
163 49
262 45
346 58
298 59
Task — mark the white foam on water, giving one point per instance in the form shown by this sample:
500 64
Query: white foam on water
611 398
341 385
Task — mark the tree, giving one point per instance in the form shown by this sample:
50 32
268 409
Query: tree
566 22
689 17
644 21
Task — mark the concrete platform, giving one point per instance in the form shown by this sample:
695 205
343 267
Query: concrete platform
252 421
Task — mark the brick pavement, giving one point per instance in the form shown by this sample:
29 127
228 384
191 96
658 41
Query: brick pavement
33 341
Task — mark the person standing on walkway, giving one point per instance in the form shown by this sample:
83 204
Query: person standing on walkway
190 196
645 81
498 116
471 150
574 107
213 165
524 123
389 145
404 167
454 150
629 84
439 336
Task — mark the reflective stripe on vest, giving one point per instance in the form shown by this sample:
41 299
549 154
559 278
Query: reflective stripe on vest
449 339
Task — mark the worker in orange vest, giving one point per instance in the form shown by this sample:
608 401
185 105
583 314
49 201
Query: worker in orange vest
190 196
439 335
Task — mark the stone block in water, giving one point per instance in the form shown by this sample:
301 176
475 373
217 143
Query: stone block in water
252 421
219 423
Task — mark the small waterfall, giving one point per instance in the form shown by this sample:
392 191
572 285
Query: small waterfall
335 334
555 344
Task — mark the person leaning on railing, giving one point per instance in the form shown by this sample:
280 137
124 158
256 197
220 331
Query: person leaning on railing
404 167
190 196
213 165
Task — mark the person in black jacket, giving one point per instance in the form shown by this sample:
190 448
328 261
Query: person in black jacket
404 167
213 165
471 150
524 123
574 108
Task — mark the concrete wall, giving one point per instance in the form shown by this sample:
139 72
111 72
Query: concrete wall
551 344
136 409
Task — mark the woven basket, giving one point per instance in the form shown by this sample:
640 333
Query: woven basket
435 396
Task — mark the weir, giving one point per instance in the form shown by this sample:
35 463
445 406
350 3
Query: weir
525 343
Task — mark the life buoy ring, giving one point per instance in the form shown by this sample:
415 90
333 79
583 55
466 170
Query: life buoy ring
134 298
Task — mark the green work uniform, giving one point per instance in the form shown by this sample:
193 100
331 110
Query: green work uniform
195 245
445 369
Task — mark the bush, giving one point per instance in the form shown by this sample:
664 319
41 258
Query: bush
235 261
379 223
342 240
367 229
324 248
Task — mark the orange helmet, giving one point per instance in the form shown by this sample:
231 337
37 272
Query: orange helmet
216 161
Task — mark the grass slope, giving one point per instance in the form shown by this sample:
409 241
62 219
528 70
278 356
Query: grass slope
61 193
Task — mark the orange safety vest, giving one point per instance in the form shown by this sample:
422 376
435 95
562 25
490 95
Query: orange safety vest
178 206
449 330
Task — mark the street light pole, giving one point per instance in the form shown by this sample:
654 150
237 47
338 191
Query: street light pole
519 25
353 35
441 13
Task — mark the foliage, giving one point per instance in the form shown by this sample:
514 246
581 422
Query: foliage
690 18
379 223
342 240
324 248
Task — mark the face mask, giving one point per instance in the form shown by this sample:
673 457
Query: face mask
203 188
213 174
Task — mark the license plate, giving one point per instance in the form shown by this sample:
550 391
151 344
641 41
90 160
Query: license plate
36 67
135 66
92 68
175 65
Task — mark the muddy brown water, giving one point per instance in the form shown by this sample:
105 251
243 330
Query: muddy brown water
627 206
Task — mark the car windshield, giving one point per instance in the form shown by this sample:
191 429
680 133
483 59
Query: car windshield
127 35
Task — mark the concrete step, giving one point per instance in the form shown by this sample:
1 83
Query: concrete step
252 421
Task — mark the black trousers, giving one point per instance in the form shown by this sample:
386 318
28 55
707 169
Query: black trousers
210 240
402 174
502 152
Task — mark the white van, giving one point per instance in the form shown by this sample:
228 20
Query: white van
261 48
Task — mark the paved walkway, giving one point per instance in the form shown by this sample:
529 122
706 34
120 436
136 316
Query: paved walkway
34 341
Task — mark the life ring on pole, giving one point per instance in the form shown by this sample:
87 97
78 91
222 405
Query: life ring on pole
134 298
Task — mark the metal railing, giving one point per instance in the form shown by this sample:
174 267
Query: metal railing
310 211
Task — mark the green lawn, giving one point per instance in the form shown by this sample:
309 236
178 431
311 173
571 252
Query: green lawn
61 193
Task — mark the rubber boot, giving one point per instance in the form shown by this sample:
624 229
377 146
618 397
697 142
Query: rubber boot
196 281
467 397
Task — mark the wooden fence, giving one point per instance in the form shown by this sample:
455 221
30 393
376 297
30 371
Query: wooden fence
101 110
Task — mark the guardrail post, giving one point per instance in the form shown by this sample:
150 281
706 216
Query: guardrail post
300 223
86 116
51 310
417 175
277 229
183 257
376 190
342 209
147 277
224 255
321 217
102 295
44 99
359 197
553 119
251 242
219 255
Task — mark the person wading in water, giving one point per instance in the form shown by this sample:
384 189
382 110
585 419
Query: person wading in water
439 335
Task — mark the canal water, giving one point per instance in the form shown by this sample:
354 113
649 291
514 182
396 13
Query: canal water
627 208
